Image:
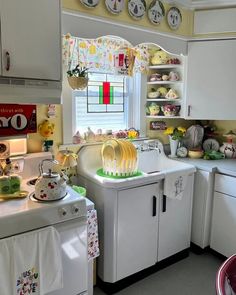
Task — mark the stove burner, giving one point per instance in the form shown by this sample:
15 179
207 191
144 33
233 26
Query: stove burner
34 199
32 181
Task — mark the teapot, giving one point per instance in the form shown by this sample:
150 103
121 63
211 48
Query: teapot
50 186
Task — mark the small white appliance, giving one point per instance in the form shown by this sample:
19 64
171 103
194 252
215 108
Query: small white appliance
68 216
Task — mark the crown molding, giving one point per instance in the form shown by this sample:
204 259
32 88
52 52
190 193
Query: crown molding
202 4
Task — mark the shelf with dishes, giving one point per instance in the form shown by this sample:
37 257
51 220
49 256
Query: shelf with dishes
163 117
166 66
164 99
163 109
163 82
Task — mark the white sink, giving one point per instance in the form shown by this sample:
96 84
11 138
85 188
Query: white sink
153 162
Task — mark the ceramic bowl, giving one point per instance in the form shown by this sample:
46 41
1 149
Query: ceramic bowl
170 110
195 154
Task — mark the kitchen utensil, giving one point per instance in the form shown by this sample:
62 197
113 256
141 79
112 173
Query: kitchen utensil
16 195
50 186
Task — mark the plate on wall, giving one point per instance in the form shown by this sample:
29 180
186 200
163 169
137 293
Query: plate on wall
211 144
174 18
90 3
137 8
156 12
115 6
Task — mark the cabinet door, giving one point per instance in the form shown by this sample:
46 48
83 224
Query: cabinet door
137 229
202 208
175 223
210 90
31 39
223 234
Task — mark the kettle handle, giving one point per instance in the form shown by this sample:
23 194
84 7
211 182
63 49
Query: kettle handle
46 160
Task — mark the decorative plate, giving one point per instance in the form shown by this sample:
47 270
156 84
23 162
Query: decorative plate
174 18
211 144
115 6
137 8
156 12
90 3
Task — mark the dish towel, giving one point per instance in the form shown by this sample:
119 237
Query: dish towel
174 184
30 263
93 245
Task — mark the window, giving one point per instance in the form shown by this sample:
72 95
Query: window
104 104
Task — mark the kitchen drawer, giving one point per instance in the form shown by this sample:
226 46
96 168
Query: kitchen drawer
225 184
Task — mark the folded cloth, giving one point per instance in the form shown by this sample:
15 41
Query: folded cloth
174 184
30 263
93 246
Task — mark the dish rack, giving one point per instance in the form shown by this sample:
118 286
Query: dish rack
119 158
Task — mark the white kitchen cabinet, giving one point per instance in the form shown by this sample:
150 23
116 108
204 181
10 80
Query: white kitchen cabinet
223 233
202 208
210 91
137 234
175 223
31 39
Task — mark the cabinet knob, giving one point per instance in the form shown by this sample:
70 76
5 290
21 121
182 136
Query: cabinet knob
8 61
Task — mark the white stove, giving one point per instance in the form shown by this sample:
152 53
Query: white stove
68 216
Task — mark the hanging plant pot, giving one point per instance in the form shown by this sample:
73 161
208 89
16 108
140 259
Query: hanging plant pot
78 82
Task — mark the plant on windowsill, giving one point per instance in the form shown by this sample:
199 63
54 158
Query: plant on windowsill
78 77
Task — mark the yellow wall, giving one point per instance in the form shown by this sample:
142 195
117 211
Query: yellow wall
124 17
170 122
35 140
223 127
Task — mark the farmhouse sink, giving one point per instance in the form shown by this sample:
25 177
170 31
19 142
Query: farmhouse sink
155 161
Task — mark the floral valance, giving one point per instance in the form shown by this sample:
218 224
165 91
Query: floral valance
107 54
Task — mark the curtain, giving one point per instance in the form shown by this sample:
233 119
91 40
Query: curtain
104 54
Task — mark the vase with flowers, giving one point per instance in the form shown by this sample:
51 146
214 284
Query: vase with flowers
175 136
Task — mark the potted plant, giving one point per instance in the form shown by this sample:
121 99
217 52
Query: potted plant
78 77
175 135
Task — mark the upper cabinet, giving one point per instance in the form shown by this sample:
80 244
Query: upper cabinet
210 85
31 39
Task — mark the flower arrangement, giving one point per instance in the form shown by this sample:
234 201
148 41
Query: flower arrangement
78 72
176 133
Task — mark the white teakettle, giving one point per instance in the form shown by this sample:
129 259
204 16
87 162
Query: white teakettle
50 186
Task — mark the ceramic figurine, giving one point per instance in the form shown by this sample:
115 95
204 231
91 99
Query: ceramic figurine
173 76
160 58
229 148
46 129
77 138
89 135
154 109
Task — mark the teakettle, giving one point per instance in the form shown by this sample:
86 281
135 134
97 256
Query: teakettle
50 186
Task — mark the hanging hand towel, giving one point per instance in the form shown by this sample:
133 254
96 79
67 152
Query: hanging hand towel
33 263
174 184
93 246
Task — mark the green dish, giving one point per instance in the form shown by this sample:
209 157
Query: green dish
80 190
102 174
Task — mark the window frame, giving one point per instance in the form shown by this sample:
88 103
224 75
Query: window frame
136 108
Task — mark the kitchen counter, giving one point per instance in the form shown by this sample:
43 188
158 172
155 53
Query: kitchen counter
224 166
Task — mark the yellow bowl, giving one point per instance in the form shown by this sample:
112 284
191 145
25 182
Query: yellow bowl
195 154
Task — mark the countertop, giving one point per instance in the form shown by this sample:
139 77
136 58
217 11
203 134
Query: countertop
224 166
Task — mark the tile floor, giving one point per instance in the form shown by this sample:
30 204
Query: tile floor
194 275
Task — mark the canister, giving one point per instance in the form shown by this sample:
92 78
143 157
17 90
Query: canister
5 185
15 182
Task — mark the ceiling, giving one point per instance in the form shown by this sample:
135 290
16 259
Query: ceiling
201 4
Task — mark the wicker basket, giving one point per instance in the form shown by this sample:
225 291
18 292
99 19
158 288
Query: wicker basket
78 82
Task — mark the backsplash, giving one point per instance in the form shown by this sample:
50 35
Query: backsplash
35 140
